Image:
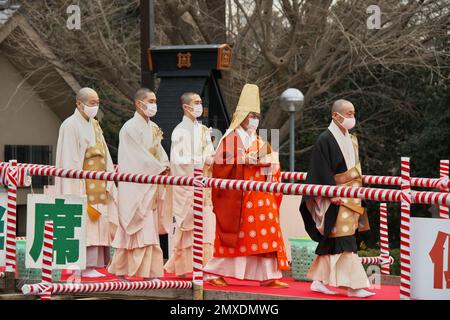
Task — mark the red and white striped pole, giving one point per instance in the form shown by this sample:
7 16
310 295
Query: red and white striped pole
375 260
384 240
12 174
58 288
198 234
405 252
47 260
443 209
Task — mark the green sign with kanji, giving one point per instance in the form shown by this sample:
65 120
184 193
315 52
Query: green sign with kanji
69 234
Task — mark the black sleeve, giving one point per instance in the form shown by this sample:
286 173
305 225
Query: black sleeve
321 171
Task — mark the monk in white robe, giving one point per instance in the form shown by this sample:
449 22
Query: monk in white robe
138 252
81 145
191 146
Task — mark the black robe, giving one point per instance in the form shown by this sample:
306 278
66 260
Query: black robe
327 160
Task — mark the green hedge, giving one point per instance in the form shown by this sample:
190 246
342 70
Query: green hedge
395 253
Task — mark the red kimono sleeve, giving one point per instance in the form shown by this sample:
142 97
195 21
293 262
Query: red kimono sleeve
227 204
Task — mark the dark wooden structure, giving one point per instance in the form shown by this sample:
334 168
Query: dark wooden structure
147 24
195 68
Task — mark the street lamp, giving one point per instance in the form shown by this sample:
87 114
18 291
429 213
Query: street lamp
291 100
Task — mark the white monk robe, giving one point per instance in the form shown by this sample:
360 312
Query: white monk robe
77 138
191 144
137 238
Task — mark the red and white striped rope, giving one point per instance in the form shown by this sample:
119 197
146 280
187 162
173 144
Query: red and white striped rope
386 195
58 288
44 170
377 260
444 168
23 180
198 227
11 217
3 165
384 238
380 180
300 176
374 194
397 181
425 197
47 260
405 254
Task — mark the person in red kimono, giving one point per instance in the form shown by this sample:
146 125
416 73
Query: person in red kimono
248 243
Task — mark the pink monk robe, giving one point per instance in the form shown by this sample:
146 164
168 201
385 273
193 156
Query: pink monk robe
81 145
138 251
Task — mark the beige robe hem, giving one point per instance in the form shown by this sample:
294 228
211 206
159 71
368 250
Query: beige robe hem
144 262
339 270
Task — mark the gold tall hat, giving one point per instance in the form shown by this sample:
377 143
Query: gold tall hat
248 102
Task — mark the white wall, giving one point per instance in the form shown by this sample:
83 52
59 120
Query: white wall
24 117
291 222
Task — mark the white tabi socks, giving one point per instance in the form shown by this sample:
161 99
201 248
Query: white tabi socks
359 293
92 273
318 286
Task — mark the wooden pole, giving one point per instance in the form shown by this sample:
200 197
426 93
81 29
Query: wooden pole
147 8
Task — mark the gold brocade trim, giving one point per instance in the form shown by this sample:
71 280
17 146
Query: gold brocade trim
155 150
205 141
207 200
350 177
351 215
207 192
95 160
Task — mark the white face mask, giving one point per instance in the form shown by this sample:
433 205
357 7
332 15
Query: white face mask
91 112
253 124
151 110
348 123
198 111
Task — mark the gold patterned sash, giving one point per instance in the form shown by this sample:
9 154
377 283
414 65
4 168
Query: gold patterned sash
155 151
351 215
95 160
207 171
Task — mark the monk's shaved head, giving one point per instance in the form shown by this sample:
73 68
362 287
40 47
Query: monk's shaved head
142 94
186 98
85 94
341 106
189 98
